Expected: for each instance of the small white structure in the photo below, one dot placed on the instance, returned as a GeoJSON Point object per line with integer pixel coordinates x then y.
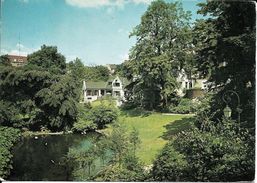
{"type": "Point", "coordinates": [189, 82]}
{"type": "Point", "coordinates": [114, 87]}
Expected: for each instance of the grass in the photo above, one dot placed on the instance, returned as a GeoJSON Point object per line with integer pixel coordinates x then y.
{"type": "Point", "coordinates": [106, 102]}
{"type": "Point", "coordinates": [153, 129]}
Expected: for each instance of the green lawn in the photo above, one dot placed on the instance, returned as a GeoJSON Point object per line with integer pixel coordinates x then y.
{"type": "Point", "coordinates": [106, 102]}
{"type": "Point", "coordinates": [153, 129]}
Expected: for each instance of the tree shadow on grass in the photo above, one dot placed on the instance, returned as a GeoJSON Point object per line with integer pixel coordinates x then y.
{"type": "Point", "coordinates": [136, 112]}
{"type": "Point", "coordinates": [177, 126]}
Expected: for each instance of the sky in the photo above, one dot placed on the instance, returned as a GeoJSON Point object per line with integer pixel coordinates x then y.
{"type": "Point", "coordinates": [96, 31]}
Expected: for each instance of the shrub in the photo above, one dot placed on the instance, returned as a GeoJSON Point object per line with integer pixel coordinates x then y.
{"type": "Point", "coordinates": [221, 154]}
{"type": "Point", "coordinates": [184, 106]}
{"type": "Point", "coordinates": [84, 125]}
{"type": "Point", "coordinates": [128, 105]}
{"type": "Point", "coordinates": [102, 115]}
{"type": "Point", "coordinates": [95, 118]}
{"type": "Point", "coordinates": [8, 136]}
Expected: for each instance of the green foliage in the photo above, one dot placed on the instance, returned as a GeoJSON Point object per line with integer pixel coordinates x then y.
{"type": "Point", "coordinates": [225, 52]}
{"type": "Point", "coordinates": [82, 163]}
{"type": "Point", "coordinates": [184, 106]}
{"type": "Point", "coordinates": [96, 73]}
{"type": "Point", "coordinates": [7, 112]}
{"type": "Point", "coordinates": [220, 154]}
{"type": "Point", "coordinates": [169, 165]}
{"type": "Point", "coordinates": [39, 94]}
{"type": "Point", "coordinates": [134, 139]}
{"type": "Point", "coordinates": [102, 115]}
{"type": "Point", "coordinates": [59, 103]}
{"type": "Point", "coordinates": [8, 136]}
{"type": "Point", "coordinates": [116, 173]}
{"type": "Point", "coordinates": [84, 122]}
{"type": "Point", "coordinates": [124, 166]}
{"type": "Point", "coordinates": [84, 126]}
{"type": "Point", "coordinates": [48, 58]}
{"type": "Point", "coordinates": [162, 48]}
{"type": "Point", "coordinates": [92, 118]}
{"type": "Point", "coordinates": [4, 60]}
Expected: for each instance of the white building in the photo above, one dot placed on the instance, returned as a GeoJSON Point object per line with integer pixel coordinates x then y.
{"type": "Point", "coordinates": [114, 87]}
{"type": "Point", "coordinates": [189, 82]}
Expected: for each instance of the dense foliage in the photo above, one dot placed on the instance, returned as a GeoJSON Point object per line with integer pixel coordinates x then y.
{"type": "Point", "coordinates": [184, 106]}
{"type": "Point", "coordinates": [225, 52]}
{"type": "Point", "coordinates": [90, 119]}
{"type": "Point", "coordinates": [39, 93]}
{"type": "Point", "coordinates": [221, 153]}
{"type": "Point", "coordinates": [162, 49]}
{"type": "Point", "coordinates": [8, 136]}
{"type": "Point", "coordinates": [219, 149]}
{"type": "Point", "coordinates": [116, 152]}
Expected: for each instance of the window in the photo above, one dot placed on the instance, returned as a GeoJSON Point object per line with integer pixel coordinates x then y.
{"type": "Point", "coordinates": [117, 93]}
{"type": "Point", "coordinates": [186, 85]}
{"type": "Point", "coordinates": [89, 92]}
{"type": "Point", "coordinates": [116, 84]}
{"type": "Point", "coordinates": [96, 92]}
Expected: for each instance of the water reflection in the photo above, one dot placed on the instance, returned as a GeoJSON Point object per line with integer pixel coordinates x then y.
{"type": "Point", "coordinates": [42, 158]}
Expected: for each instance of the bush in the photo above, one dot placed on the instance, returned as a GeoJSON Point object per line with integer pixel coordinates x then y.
{"type": "Point", "coordinates": [128, 106]}
{"type": "Point", "coordinates": [184, 106]}
{"type": "Point", "coordinates": [102, 115]}
{"type": "Point", "coordinates": [221, 154]}
{"type": "Point", "coordinates": [8, 136]}
{"type": "Point", "coordinates": [169, 165]}
{"type": "Point", "coordinates": [84, 125]}
{"type": "Point", "coordinates": [95, 118]}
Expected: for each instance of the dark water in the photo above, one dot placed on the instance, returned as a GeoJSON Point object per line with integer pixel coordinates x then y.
{"type": "Point", "coordinates": [41, 159]}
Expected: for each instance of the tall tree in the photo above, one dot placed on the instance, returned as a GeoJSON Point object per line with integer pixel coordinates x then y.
{"type": "Point", "coordinates": [49, 59]}
{"type": "Point", "coordinates": [160, 51]}
{"type": "Point", "coordinates": [227, 53]}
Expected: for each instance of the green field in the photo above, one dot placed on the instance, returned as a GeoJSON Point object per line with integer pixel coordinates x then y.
{"type": "Point", "coordinates": [153, 129]}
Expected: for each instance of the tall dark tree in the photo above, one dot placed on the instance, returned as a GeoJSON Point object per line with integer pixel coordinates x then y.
{"type": "Point", "coordinates": [226, 53]}
{"type": "Point", "coordinates": [160, 51]}
{"type": "Point", "coordinates": [49, 59]}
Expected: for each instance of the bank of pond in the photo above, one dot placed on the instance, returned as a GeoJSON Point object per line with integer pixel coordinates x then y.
{"type": "Point", "coordinates": [42, 157]}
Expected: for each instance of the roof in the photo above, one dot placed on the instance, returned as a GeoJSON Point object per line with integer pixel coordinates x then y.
{"type": "Point", "coordinates": [106, 84]}
{"type": "Point", "coordinates": [19, 58]}
{"type": "Point", "coordinates": [96, 85]}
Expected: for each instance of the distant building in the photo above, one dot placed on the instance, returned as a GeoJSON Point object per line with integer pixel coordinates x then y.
{"type": "Point", "coordinates": [189, 83]}
{"type": "Point", "coordinates": [115, 87]}
{"type": "Point", "coordinates": [17, 61]}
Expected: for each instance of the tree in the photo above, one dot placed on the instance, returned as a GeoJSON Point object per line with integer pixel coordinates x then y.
{"type": "Point", "coordinates": [8, 136]}
{"type": "Point", "coordinates": [38, 95]}
{"type": "Point", "coordinates": [134, 139]}
{"type": "Point", "coordinates": [59, 103]}
{"type": "Point", "coordinates": [96, 73]}
{"type": "Point", "coordinates": [102, 115]}
{"type": "Point", "coordinates": [124, 165]}
{"type": "Point", "coordinates": [227, 53]}
{"type": "Point", "coordinates": [163, 42]}
{"type": "Point", "coordinates": [220, 154]}
{"type": "Point", "coordinates": [77, 70]}
{"type": "Point", "coordinates": [4, 60]}
{"type": "Point", "coordinates": [49, 59]}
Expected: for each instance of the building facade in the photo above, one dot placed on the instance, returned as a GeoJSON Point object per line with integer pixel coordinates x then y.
{"type": "Point", "coordinates": [17, 61]}
{"type": "Point", "coordinates": [188, 82]}
{"type": "Point", "coordinates": [115, 87]}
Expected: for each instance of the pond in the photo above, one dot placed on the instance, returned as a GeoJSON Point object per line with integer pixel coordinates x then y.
{"type": "Point", "coordinates": [40, 158]}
